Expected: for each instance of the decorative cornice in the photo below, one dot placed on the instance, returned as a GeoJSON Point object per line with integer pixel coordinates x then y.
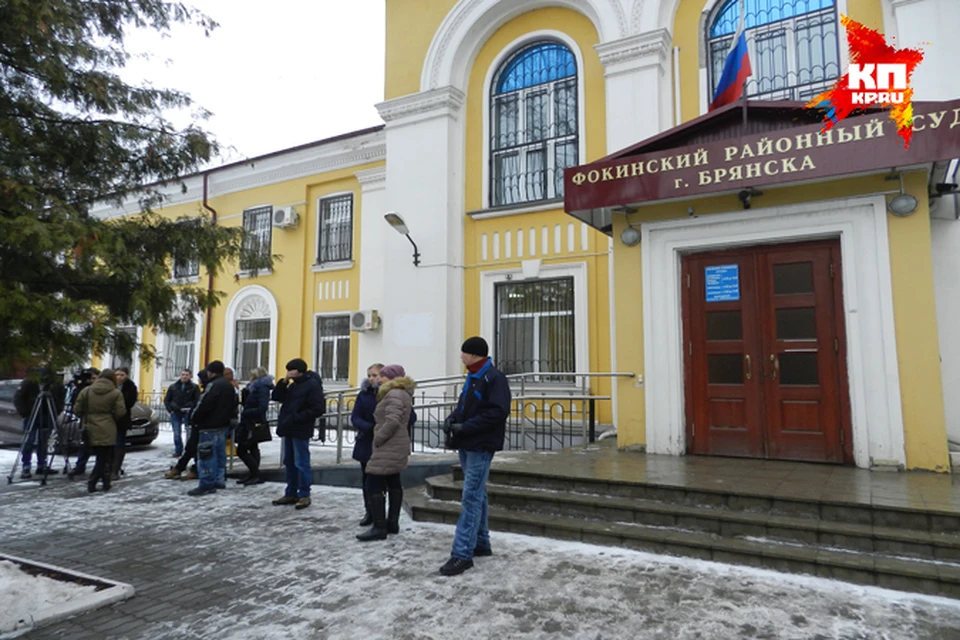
{"type": "Point", "coordinates": [896, 4]}
{"type": "Point", "coordinates": [653, 45]}
{"type": "Point", "coordinates": [445, 101]}
{"type": "Point", "coordinates": [371, 177]}
{"type": "Point", "coordinates": [253, 307]}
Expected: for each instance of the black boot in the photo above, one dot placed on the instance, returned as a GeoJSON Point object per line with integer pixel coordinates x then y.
{"type": "Point", "coordinates": [378, 506]}
{"type": "Point", "coordinates": [368, 517]}
{"type": "Point", "coordinates": [393, 517]}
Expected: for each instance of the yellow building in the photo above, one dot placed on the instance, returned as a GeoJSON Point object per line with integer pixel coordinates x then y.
{"type": "Point", "coordinates": [487, 102]}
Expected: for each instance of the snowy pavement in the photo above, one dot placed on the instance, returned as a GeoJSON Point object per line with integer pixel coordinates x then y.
{"type": "Point", "coordinates": [232, 565]}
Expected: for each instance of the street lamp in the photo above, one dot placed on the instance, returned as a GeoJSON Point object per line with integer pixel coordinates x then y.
{"type": "Point", "coordinates": [394, 220]}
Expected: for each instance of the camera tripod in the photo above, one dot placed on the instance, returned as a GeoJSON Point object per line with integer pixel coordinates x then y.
{"type": "Point", "coordinates": [43, 417]}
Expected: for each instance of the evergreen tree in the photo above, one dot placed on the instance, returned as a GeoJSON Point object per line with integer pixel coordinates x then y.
{"type": "Point", "coordinates": [73, 134]}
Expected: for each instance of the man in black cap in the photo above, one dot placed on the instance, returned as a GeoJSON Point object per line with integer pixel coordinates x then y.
{"type": "Point", "coordinates": [477, 428]}
{"type": "Point", "coordinates": [301, 396]}
{"type": "Point", "coordinates": [217, 405]}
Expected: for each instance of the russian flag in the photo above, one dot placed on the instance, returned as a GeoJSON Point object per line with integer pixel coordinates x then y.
{"type": "Point", "coordinates": [735, 70]}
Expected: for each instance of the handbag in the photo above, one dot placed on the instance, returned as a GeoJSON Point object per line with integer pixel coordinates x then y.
{"type": "Point", "coordinates": [260, 432]}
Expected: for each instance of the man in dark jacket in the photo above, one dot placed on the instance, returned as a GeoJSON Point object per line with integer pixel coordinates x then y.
{"type": "Point", "coordinates": [301, 398]}
{"type": "Point", "coordinates": [477, 428]}
{"type": "Point", "coordinates": [23, 401]}
{"type": "Point", "coordinates": [181, 398]}
{"type": "Point", "coordinates": [216, 407]}
{"type": "Point", "coordinates": [130, 396]}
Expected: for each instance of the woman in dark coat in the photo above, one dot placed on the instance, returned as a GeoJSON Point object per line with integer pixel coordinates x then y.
{"type": "Point", "coordinates": [363, 421]}
{"type": "Point", "coordinates": [255, 400]}
{"type": "Point", "coordinates": [391, 450]}
{"type": "Point", "coordinates": [130, 393]}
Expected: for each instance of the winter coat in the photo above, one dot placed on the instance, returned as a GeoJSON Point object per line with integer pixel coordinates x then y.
{"type": "Point", "coordinates": [26, 396]}
{"type": "Point", "coordinates": [130, 396]}
{"type": "Point", "coordinates": [482, 410]}
{"type": "Point", "coordinates": [181, 395]}
{"type": "Point", "coordinates": [217, 405]}
{"type": "Point", "coordinates": [256, 401]}
{"type": "Point", "coordinates": [363, 421]}
{"type": "Point", "coordinates": [302, 403]}
{"type": "Point", "coordinates": [100, 406]}
{"type": "Point", "coordinates": [391, 440]}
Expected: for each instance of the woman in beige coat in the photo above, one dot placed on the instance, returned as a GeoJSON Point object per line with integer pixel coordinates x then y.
{"type": "Point", "coordinates": [100, 406]}
{"type": "Point", "coordinates": [391, 450]}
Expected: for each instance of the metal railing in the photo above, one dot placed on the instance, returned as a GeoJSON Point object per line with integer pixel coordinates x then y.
{"type": "Point", "coordinates": [543, 416]}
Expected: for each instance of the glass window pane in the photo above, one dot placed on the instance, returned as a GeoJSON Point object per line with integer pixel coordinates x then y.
{"type": "Point", "coordinates": [516, 353]}
{"type": "Point", "coordinates": [507, 121]}
{"type": "Point", "coordinates": [793, 278]}
{"type": "Point", "coordinates": [326, 359]}
{"type": "Point", "coordinates": [336, 229]}
{"type": "Point", "coordinates": [536, 111]}
{"type": "Point", "coordinates": [343, 359]}
{"type": "Point", "coordinates": [797, 324]}
{"type": "Point", "coordinates": [506, 179]}
{"type": "Point", "coordinates": [725, 368]}
{"type": "Point", "coordinates": [799, 369]}
{"type": "Point", "coordinates": [535, 175]}
{"type": "Point", "coordinates": [724, 325]}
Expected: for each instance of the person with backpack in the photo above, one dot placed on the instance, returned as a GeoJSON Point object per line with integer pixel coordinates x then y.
{"type": "Point", "coordinates": [477, 428]}
{"type": "Point", "coordinates": [300, 395]}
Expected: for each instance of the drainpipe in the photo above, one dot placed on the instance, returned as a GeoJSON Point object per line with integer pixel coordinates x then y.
{"type": "Point", "coordinates": [209, 312]}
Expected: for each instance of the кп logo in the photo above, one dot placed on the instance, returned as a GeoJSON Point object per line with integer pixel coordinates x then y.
{"type": "Point", "coordinates": [879, 76]}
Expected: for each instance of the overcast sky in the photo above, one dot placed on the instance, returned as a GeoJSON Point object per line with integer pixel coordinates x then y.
{"type": "Point", "coordinates": [276, 73]}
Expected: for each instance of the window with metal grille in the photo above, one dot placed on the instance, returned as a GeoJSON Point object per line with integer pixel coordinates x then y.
{"type": "Point", "coordinates": [253, 346]}
{"type": "Point", "coordinates": [257, 235]}
{"type": "Point", "coordinates": [178, 354]}
{"type": "Point", "coordinates": [534, 124]}
{"type": "Point", "coordinates": [333, 348]}
{"type": "Point", "coordinates": [185, 268]}
{"type": "Point", "coordinates": [335, 242]}
{"type": "Point", "coordinates": [793, 46]}
{"type": "Point", "coordinates": [124, 357]}
{"type": "Point", "coordinates": [535, 327]}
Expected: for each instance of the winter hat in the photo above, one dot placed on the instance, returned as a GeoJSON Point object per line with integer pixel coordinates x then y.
{"type": "Point", "coordinates": [297, 364]}
{"type": "Point", "coordinates": [392, 371]}
{"type": "Point", "coordinates": [216, 368]}
{"type": "Point", "coordinates": [475, 346]}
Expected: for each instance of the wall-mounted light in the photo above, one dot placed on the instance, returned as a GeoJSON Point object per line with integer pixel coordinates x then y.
{"type": "Point", "coordinates": [902, 204]}
{"type": "Point", "coordinates": [630, 237]}
{"type": "Point", "coordinates": [394, 220]}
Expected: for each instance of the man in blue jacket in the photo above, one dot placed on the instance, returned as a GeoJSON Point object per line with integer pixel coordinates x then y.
{"type": "Point", "coordinates": [477, 428]}
{"type": "Point", "coordinates": [301, 398]}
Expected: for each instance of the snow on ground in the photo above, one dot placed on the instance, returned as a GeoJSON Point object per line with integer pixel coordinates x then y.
{"type": "Point", "coordinates": [23, 595]}
{"type": "Point", "coordinates": [303, 574]}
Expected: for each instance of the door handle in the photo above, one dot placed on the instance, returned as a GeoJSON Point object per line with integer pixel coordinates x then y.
{"type": "Point", "coordinates": [749, 367]}
{"type": "Point", "coordinates": [774, 366]}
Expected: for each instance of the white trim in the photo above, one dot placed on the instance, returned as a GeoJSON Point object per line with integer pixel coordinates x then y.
{"type": "Point", "coordinates": [249, 273]}
{"type": "Point", "coordinates": [503, 212]}
{"type": "Point", "coordinates": [581, 316]}
{"type": "Point", "coordinates": [612, 310]}
{"type": "Point", "coordinates": [161, 346]}
{"type": "Point", "coordinates": [135, 365]}
{"type": "Point", "coordinates": [872, 369]}
{"type": "Point", "coordinates": [331, 384]}
{"type": "Point", "coordinates": [339, 264]}
{"type": "Point", "coordinates": [505, 53]}
{"type": "Point", "coordinates": [229, 327]}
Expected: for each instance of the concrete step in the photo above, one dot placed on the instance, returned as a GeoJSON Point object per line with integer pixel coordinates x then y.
{"type": "Point", "coordinates": [904, 574]}
{"type": "Point", "coordinates": [728, 523]}
{"type": "Point", "coordinates": [921, 519]}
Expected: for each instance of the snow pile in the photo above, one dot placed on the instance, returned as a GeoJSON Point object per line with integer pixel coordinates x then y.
{"type": "Point", "coordinates": [23, 595]}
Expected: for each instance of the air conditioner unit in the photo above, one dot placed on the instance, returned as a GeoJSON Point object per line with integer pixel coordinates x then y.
{"type": "Point", "coordinates": [364, 320]}
{"type": "Point", "coordinates": [284, 217]}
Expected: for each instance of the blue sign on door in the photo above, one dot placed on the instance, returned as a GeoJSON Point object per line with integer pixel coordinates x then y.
{"type": "Point", "coordinates": [723, 282]}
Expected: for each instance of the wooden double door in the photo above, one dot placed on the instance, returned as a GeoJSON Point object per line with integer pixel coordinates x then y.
{"type": "Point", "coordinates": [764, 353]}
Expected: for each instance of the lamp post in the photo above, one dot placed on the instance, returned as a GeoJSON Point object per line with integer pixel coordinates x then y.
{"type": "Point", "coordinates": [394, 220]}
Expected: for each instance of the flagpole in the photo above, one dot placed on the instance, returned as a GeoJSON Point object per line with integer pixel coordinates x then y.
{"type": "Point", "coordinates": [744, 101]}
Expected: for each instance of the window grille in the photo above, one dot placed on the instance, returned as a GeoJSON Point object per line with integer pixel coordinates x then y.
{"type": "Point", "coordinates": [333, 348]}
{"type": "Point", "coordinates": [185, 268]}
{"type": "Point", "coordinates": [253, 346]}
{"type": "Point", "coordinates": [257, 236]}
{"type": "Point", "coordinates": [535, 327]}
{"type": "Point", "coordinates": [179, 352]}
{"type": "Point", "coordinates": [793, 45]}
{"type": "Point", "coordinates": [534, 124]}
{"type": "Point", "coordinates": [124, 358]}
{"type": "Point", "coordinates": [336, 229]}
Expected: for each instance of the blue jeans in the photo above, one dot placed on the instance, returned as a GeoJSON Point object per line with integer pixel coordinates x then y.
{"type": "Point", "coordinates": [41, 434]}
{"type": "Point", "coordinates": [296, 460]}
{"type": "Point", "coordinates": [472, 530]}
{"type": "Point", "coordinates": [178, 419]}
{"type": "Point", "coordinates": [212, 458]}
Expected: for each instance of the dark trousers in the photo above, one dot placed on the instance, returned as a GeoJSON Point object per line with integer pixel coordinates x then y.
{"type": "Point", "coordinates": [189, 451]}
{"type": "Point", "coordinates": [103, 466]}
{"type": "Point", "coordinates": [382, 484]}
{"type": "Point", "coordinates": [248, 450]}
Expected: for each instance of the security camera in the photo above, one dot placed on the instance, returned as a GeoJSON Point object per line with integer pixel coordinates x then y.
{"type": "Point", "coordinates": [745, 198]}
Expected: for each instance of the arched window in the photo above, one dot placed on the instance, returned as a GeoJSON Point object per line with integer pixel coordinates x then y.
{"type": "Point", "coordinates": [794, 51]}
{"type": "Point", "coordinates": [534, 124]}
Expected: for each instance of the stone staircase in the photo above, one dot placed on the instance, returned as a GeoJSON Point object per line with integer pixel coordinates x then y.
{"type": "Point", "coordinates": [915, 550]}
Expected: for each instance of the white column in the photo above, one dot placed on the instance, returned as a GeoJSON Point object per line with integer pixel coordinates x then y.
{"type": "Point", "coordinates": [373, 230]}
{"type": "Point", "coordinates": [934, 22]}
{"type": "Point", "coordinates": [639, 87]}
{"type": "Point", "coordinates": [422, 308]}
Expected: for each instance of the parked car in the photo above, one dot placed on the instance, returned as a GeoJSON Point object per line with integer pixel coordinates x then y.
{"type": "Point", "coordinates": [145, 426]}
